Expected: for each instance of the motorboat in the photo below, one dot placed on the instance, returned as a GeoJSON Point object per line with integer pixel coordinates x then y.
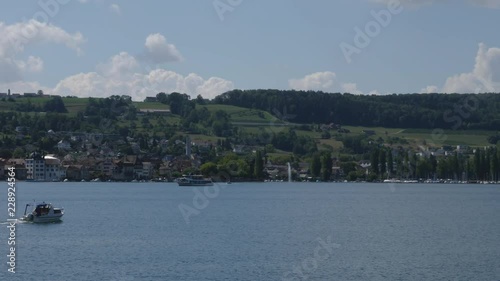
{"type": "Point", "coordinates": [43, 212]}
{"type": "Point", "coordinates": [194, 180]}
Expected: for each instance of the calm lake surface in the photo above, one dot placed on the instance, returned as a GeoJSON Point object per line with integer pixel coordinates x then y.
{"type": "Point", "coordinates": [258, 231]}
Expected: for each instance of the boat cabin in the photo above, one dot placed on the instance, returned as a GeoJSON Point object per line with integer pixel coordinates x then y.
{"type": "Point", "coordinates": [44, 208]}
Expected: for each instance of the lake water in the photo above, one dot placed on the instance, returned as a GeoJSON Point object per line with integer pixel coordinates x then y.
{"type": "Point", "coordinates": [258, 231]}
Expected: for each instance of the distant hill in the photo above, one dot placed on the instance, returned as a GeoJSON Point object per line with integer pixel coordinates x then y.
{"type": "Point", "coordinates": [424, 111]}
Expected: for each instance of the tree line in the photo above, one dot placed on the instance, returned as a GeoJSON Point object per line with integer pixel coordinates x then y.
{"type": "Point", "coordinates": [446, 111]}
{"type": "Point", "coordinates": [483, 165]}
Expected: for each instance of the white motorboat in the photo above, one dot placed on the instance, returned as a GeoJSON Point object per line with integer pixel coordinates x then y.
{"type": "Point", "coordinates": [43, 212]}
{"type": "Point", "coordinates": [194, 181]}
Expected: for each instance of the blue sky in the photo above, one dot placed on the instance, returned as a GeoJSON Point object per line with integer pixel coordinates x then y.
{"type": "Point", "coordinates": [100, 47]}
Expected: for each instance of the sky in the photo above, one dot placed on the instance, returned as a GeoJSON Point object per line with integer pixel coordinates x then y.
{"type": "Point", "coordinates": [100, 48]}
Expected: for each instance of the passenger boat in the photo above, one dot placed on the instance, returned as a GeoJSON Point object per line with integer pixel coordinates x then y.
{"type": "Point", "coordinates": [43, 212]}
{"type": "Point", "coordinates": [194, 180]}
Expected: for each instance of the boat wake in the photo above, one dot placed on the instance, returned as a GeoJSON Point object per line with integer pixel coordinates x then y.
{"type": "Point", "coordinates": [17, 221]}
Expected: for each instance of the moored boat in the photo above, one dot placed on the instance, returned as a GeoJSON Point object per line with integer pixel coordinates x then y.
{"type": "Point", "coordinates": [194, 180]}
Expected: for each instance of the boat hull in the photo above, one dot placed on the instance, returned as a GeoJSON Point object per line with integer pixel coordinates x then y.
{"type": "Point", "coordinates": [195, 184]}
{"type": "Point", "coordinates": [41, 219]}
{"type": "Point", "coordinates": [194, 181]}
{"type": "Point", "coordinates": [47, 219]}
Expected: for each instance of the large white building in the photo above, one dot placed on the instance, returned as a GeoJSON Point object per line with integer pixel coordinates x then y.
{"type": "Point", "coordinates": [47, 168]}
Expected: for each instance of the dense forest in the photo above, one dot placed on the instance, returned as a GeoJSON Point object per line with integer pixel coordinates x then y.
{"type": "Point", "coordinates": [429, 111]}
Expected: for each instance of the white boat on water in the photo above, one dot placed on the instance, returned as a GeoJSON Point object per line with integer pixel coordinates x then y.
{"type": "Point", "coordinates": [194, 181]}
{"type": "Point", "coordinates": [43, 212]}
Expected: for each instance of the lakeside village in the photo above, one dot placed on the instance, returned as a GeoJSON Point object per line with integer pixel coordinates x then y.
{"type": "Point", "coordinates": [125, 155]}
{"type": "Point", "coordinates": [101, 164]}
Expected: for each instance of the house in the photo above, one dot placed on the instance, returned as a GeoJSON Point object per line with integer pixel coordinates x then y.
{"type": "Point", "coordinates": [439, 152]}
{"type": "Point", "coordinates": [337, 172]}
{"type": "Point", "coordinates": [63, 145]}
{"type": "Point", "coordinates": [22, 129]}
{"type": "Point", "coordinates": [76, 172]}
{"type": "Point", "coordinates": [35, 166]}
{"type": "Point", "coordinates": [164, 170]}
{"type": "Point", "coordinates": [277, 171]}
{"type": "Point", "coordinates": [29, 95]}
{"type": "Point", "coordinates": [53, 169]}
{"type": "Point", "coordinates": [150, 99]}
{"type": "Point", "coordinates": [123, 168]}
{"type": "Point", "coordinates": [44, 168]}
{"type": "Point", "coordinates": [303, 170]}
{"type": "Point", "coordinates": [462, 148]}
{"type": "Point", "coordinates": [19, 164]}
{"type": "Point", "coordinates": [107, 152]}
{"type": "Point", "coordinates": [106, 167]}
{"type": "Point", "coordinates": [424, 154]}
{"type": "Point", "coordinates": [154, 112]}
{"type": "Point", "coordinates": [203, 145]}
{"type": "Point", "coordinates": [146, 171]}
{"type": "Point", "coordinates": [180, 163]}
{"type": "Point", "coordinates": [365, 166]}
{"type": "Point", "coordinates": [240, 149]}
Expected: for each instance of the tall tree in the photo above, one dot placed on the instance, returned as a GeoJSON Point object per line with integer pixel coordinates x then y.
{"type": "Point", "coordinates": [55, 105]}
{"type": "Point", "coordinates": [316, 166]}
{"type": "Point", "coordinates": [375, 161]}
{"type": "Point", "coordinates": [259, 165]}
{"type": "Point", "coordinates": [433, 167]}
{"type": "Point", "coordinates": [477, 164]}
{"type": "Point", "coordinates": [494, 165]}
{"type": "Point", "coordinates": [326, 166]}
{"type": "Point", "coordinates": [390, 163]}
{"type": "Point", "coordinates": [383, 162]}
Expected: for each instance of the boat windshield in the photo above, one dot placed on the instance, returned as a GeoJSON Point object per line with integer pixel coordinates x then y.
{"type": "Point", "coordinates": [42, 209]}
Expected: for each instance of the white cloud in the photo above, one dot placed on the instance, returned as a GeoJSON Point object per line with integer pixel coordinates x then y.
{"type": "Point", "coordinates": [159, 51]}
{"type": "Point", "coordinates": [319, 81]}
{"type": "Point", "coordinates": [119, 65]}
{"type": "Point", "coordinates": [16, 37]}
{"type": "Point", "coordinates": [115, 8]}
{"type": "Point", "coordinates": [121, 75]}
{"type": "Point", "coordinates": [211, 87]}
{"type": "Point", "coordinates": [33, 64]}
{"type": "Point", "coordinates": [325, 81]}
{"type": "Point", "coordinates": [430, 89]}
{"type": "Point", "coordinates": [485, 77]}
{"type": "Point", "coordinates": [351, 88]}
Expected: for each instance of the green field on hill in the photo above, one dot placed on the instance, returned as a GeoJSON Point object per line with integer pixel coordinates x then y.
{"type": "Point", "coordinates": [244, 115]}
{"type": "Point", "coordinates": [255, 121]}
{"type": "Point", "coordinates": [405, 137]}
